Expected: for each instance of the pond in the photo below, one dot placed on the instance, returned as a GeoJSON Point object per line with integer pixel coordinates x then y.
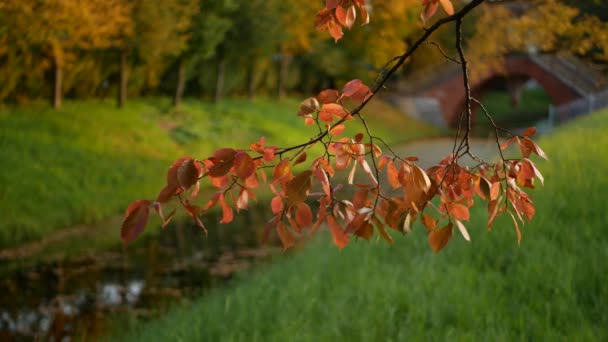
{"type": "Point", "coordinates": [81, 298]}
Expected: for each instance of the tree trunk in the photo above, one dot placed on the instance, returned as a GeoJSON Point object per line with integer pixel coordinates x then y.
{"type": "Point", "coordinates": [251, 79]}
{"type": "Point", "coordinates": [57, 94]}
{"type": "Point", "coordinates": [181, 83]}
{"type": "Point", "coordinates": [219, 84]}
{"type": "Point", "coordinates": [122, 89]}
{"type": "Point", "coordinates": [282, 75]}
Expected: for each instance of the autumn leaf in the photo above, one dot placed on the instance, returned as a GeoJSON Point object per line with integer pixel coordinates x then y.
{"type": "Point", "coordinates": [529, 132]}
{"type": "Point", "coordinates": [439, 238]}
{"type": "Point", "coordinates": [136, 218]}
{"type": "Point", "coordinates": [276, 204]}
{"type": "Point", "coordinates": [309, 106]}
{"type": "Point", "coordinates": [227, 214]}
{"type": "Point", "coordinates": [356, 90]}
{"type": "Point", "coordinates": [297, 189]}
{"type": "Point", "coordinates": [285, 235]}
{"type": "Point", "coordinates": [243, 165]}
{"type": "Point", "coordinates": [463, 230]}
{"type": "Point", "coordinates": [328, 96]}
{"type": "Point", "coordinates": [458, 211]}
{"type": "Point", "coordinates": [223, 160]}
{"type": "Point", "coordinates": [188, 173]}
{"type": "Point", "coordinates": [303, 215]}
{"type": "Point", "coordinates": [337, 232]}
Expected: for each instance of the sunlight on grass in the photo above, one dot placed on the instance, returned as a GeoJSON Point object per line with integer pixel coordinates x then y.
{"type": "Point", "coordinates": [553, 287]}
{"type": "Point", "coordinates": [88, 160]}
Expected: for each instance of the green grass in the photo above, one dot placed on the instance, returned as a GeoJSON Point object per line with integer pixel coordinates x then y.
{"type": "Point", "coordinates": [552, 288]}
{"type": "Point", "coordinates": [533, 107]}
{"type": "Point", "coordinates": [87, 161]}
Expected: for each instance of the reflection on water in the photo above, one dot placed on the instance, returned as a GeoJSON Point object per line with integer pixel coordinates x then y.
{"type": "Point", "coordinates": [75, 299]}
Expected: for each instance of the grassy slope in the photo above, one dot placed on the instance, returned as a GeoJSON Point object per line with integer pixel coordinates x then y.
{"type": "Point", "coordinates": [88, 160]}
{"type": "Point", "coordinates": [553, 287]}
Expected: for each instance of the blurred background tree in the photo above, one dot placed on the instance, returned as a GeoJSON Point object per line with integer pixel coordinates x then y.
{"type": "Point", "coordinates": [210, 49]}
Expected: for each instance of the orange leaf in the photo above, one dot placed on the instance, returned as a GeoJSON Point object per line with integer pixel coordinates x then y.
{"type": "Point", "coordinates": [393, 175]}
{"type": "Point", "coordinates": [194, 211]}
{"type": "Point", "coordinates": [338, 234]}
{"type": "Point", "coordinates": [429, 222]}
{"type": "Point", "coordinates": [366, 231]}
{"type": "Point", "coordinates": [447, 6]}
{"type": "Point", "coordinates": [529, 132]}
{"type": "Point", "coordinates": [459, 211]}
{"type": "Point", "coordinates": [298, 188]}
{"type": "Point", "coordinates": [494, 191]}
{"type": "Point", "coordinates": [439, 238]}
{"type": "Point", "coordinates": [285, 235]}
{"type": "Point", "coordinates": [517, 231]}
{"type": "Point", "coordinates": [282, 172]}
{"type": "Point", "coordinates": [227, 214]}
{"type": "Point", "coordinates": [337, 130]}
{"type": "Point", "coordinates": [329, 110]}
{"type": "Point", "coordinates": [385, 235]}
{"type": "Point", "coordinates": [276, 204]}
{"type": "Point", "coordinates": [301, 159]}
{"type": "Point", "coordinates": [136, 218]}
{"type": "Point", "coordinates": [243, 165]}
{"type": "Point", "coordinates": [328, 96]}
{"type": "Point", "coordinates": [303, 215]}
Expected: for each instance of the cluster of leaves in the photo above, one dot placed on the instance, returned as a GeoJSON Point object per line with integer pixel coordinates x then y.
{"type": "Point", "coordinates": [394, 193]}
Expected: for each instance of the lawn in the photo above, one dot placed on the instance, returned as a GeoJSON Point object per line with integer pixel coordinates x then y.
{"type": "Point", "coordinates": [85, 162]}
{"type": "Point", "coordinates": [534, 106]}
{"type": "Point", "coordinates": [552, 287]}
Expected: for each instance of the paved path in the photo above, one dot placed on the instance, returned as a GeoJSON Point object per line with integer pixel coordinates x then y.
{"type": "Point", "coordinates": [430, 152]}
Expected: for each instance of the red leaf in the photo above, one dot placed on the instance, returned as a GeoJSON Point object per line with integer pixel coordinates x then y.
{"type": "Point", "coordinates": [243, 165]}
{"type": "Point", "coordinates": [430, 8]}
{"type": "Point", "coordinates": [223, 160]}
{"type": "Point", "coordinates": [188, 173]}
{"type": "Point", "coordinates": [166, 193]}
{"type": "Point", "coordinates": [303, 215]}
{"type": "Point", "coordinates": [328, 96]}
{"type": "Point", "coordinates": [338, 234]}
{"type": "Point", "coordinates": [356, 90]}
{"type": "Point", "coordinates": [439, 238]}
{"type": "Point", "coordinates": [329, 110]}
{"type": "Point", "coordinates": [276, 204]}
{"type": "Point", "coordinates": [529, 132]}
{"type": "Point", "coordinates": [194, 211]}
{"type": "Point", "coordinates": [301, 158]}
{"type": "Point", "coordinates": [331, 4]}
{"type": "Point", "coordinates": [227, 214]}
{"type": "Point", "coordinates": [136, 218]}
